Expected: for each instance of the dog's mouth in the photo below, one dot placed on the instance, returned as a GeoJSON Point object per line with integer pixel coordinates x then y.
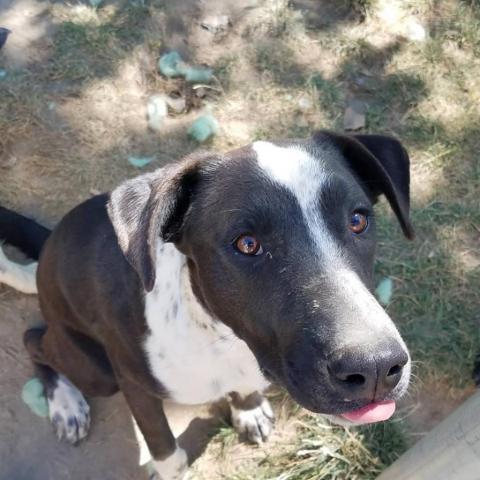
{"type": "Point", "coordinates": [372, 412]}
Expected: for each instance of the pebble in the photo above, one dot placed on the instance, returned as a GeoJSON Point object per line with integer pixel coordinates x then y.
{"type": "Point", "coordinates": [215, 23]}
{"type": "Point", "coordinates": [305, 104]}
{"type": "Point", "coordinates": [177, 104]}
{"type": "Point", "coordinates": [157, 111]}
{"type": "Point", "coordinates": [201, 92]}
{"type": "Point", "coordinates": [415, 31]}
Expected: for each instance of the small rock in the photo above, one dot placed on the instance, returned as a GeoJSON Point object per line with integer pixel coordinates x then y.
{"type": "Point", "coordinates": [201, 92]}
{"type": "Point", "coordinates": [94, 192]}
{"type": "Point", "coordinates": [415, 31]}
{"type": "Point", "coordinates": [355, 115]}
{"type": "Point", "coordinates": [157, 111]}
{"type": "Point", "coordinates": [176, 104]}
{"type": "Point", "coordinates": [3, 73]}
{"type": "Point", "coordinates": [215, 23]}
{"type": "Point", "coordinates": [305, 104]}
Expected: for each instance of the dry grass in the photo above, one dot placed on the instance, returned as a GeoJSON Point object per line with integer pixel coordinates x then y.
{"type": "Point", "coordinates": [68, 123]}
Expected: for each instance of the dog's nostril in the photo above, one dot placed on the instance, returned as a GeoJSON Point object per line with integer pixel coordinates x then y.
{"type": "Point", "coordinates": [355, 379]}
{"type": "Point", "coordinates": [395, 370]}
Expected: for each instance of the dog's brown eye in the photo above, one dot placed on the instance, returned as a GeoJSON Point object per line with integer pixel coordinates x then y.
{"type": "Point", "coordinates": [248, 245]}
{"type": "Point", "coordinates": [358, 223]}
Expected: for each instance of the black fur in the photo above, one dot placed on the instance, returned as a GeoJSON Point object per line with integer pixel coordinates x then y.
{"type": "Point", "coordinates": [23, 233]}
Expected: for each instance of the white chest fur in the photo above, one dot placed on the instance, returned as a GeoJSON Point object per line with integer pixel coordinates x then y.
{"type": "Point", "coordinates": [196, 358]}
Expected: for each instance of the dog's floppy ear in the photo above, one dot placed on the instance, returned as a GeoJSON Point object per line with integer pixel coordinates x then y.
{"type": "Point", "coordinates": [382, 164]}
{"type": "Point", "coordinates": [150, 207]}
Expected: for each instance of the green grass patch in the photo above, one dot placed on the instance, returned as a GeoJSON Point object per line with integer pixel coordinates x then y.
{"type": "Point", "coordinates": [432, 305]}
{"type": "Point", "coordinates": [325, 452]}
{"type": "Point", "coordinates": [93, 49]}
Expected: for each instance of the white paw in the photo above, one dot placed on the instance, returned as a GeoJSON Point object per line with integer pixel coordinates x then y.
{"type": "Point", "coordinates": [174, 467]}
{"type": "Point", "coordinates": [256, 424]}
{"type": "Point", "coordinates": [68, 411]}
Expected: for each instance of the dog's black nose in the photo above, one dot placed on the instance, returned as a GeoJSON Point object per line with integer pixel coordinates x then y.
{"type": "Point", "coordinates": [367, 375]}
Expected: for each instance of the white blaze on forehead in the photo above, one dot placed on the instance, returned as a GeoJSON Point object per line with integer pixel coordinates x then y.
{"type": "Point", "coordinates": [293, 167]}
{"type": "Point", "coordinates": [305, 177]}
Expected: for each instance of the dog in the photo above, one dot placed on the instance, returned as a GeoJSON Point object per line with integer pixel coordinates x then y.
{"type": "Point", "coordinates": [215, 277]}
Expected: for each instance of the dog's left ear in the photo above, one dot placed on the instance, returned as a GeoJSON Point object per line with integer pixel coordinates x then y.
{"type": "Point", "coordinates": [152, 208]}
{"type": "Point", "coordinates": [383, 166]}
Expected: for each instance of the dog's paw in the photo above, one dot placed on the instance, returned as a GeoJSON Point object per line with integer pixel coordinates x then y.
{"type": "Point", "coordinates": [256, 424]}
{"type": "Point", "coordinates": [174, 467]}
{"type": "Point", "coordinates": [68, 411]}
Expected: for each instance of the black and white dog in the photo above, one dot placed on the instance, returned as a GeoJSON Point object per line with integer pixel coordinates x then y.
{"type": "Point", "coordinates": [214, 276]}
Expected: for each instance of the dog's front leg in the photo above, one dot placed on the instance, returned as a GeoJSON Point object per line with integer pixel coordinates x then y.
{"type": "Point", "coordinates": [169, 460]}
{"type": "Point", "coordinates": [252, 416]}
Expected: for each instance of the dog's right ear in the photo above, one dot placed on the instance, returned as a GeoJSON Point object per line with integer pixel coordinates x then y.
{"type": "Point", "coordinates": [152, 207]}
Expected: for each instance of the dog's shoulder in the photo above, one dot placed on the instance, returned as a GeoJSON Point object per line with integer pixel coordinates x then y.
{"type": "Point", "coordinates": [82, 255]}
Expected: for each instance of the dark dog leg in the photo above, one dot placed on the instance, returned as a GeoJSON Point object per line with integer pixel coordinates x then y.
{"type": "Point", "coordinates": [169, 460]}
{"type": "Point", "coordinates": [252, 416]}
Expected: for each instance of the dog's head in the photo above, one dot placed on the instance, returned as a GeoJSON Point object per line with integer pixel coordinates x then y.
{"type": "Point", "coordinates": [280, 242]}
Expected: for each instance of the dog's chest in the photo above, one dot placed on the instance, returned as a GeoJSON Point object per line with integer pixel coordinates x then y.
{"type": "Point", "coordinates": [196, 359]}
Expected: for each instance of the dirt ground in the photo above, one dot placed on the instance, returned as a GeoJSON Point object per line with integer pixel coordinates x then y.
{"type": "Point", "coordinates": [74, 101]}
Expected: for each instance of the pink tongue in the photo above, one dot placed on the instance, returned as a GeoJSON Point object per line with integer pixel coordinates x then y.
{"type": "Point", "coordinates": [374, 412]}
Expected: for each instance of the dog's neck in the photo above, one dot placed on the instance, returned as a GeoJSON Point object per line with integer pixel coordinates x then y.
{"type": "Point", "coordinates": [173, 290]}
{"type": "Point", "coordinates": [186, 347]}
